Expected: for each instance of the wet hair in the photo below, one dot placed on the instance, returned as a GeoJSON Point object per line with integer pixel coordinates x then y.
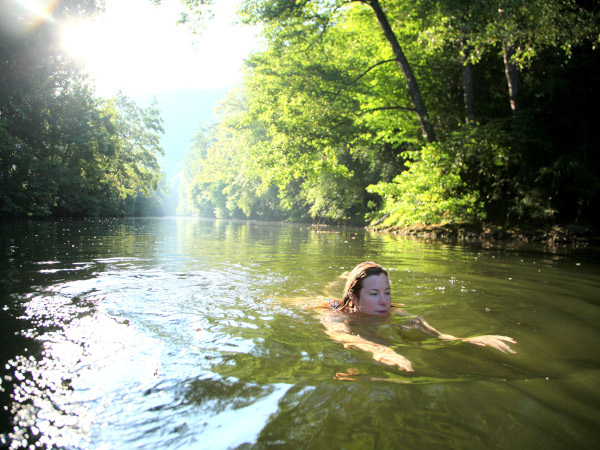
{"type": "Point", "coordinates": [355, 282]}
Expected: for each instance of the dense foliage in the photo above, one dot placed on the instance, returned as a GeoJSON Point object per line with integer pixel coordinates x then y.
{"type": "Point", "coordinates": [423, 111]}
{"type": "Point", "coordinates": [63, 151]}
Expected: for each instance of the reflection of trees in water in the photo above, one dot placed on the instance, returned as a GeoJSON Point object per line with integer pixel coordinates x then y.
{"type": "Point", "coordinates": [370, 413]}
{"type": "Point", "coordinates": [217, 394]}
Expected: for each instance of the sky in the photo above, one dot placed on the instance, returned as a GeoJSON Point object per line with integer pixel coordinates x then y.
{"type": "Point", "coordinates": [137, 47]}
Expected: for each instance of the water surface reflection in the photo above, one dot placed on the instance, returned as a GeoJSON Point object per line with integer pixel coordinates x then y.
{"type": "Point", "coordinates": [158, 333]}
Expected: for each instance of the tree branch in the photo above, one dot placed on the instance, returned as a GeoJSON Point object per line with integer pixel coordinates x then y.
{"type": "Point", "coordinates": [373, 66]}
{"type": "Point", "coordinates": [335, 96]}
{"type": "Point", "coordinates": [384, 108]}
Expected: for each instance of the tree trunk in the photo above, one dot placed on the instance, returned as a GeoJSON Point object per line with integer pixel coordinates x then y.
{"type": "Point", "coordinates": [468, 90]}
{"type": "Point", "coordinates": [512, 77]}
{"type": "Point", "coordinates": [411, 81]}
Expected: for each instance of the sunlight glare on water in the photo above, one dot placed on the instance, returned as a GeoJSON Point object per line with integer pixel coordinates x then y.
{"type": "Point", "coordinates": [159, 333]}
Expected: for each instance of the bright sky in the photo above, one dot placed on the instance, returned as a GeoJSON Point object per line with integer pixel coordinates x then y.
{"type": "Point", "coordinates": [137, 47]}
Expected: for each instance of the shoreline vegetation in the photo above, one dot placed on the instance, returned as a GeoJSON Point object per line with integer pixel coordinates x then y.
{"type": "Point", "coordinates": [551, 235]}
{"type": "Point", "coordinates": [350, 113]}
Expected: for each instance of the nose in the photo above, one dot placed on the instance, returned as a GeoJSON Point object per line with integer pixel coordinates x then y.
{"type": "Point", "coordinates": [382, 299]}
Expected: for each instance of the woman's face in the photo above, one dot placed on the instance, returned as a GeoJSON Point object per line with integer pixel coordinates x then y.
{"type": "Point", "coordinates": [375, 297]}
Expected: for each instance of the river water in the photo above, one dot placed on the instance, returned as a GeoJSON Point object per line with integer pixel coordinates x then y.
{"type": "Point", "coordinates": [192, 333]}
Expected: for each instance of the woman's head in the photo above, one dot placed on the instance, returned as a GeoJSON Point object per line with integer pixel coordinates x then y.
{"type": "Point", "coordinates": [367, 290]}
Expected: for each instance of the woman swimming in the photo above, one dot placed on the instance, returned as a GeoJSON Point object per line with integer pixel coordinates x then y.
{"type": "Point", "coordinates": [367, 291]}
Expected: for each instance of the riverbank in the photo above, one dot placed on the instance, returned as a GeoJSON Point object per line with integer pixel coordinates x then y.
{"type": "Point", "coordinates": [555, 235]}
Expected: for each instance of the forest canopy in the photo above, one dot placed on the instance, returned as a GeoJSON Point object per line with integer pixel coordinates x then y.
{"type": "Point", "coordinates": [63, 150]}
{"type": "Point", "coordinates": [354, 111]}
{"type": "Point", "coordinates": [410, 111]}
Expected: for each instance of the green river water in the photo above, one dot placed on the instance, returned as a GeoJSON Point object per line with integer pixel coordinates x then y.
{"type": "Point", "coordinates": [193, 333]}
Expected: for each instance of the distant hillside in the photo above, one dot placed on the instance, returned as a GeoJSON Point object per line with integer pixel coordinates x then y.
{"type": "Point", "coordinates": [183, 111]}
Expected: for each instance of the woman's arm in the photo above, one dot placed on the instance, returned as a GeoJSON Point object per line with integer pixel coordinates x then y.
{"type": "Point", "coordinates": [338, 331]}
{"type": "Point", "coordinates": [494, 341]}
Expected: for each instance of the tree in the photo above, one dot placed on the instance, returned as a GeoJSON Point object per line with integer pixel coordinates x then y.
{"type": "Point", "coordinates": [62, 150]}
{"type": "Point", "coordinates": [322, 14]}
{"type": "Point", "coordinates": [43, 99]}
{"type": "Point", "coordinates": [220, 178]}
{"type": "Point", "coordinates": [520, 29]}
{"type": "Point", "coordinates": [411, 81]}
{"type": "Point", "coordinates": [326, 112]}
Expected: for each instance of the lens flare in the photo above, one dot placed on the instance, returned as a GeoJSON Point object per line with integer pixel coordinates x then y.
{"type": "Point", "coordinates": [20, 16]}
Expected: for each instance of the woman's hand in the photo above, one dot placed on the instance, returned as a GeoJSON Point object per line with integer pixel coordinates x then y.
{"type": "Point", "coordinates": [495, 341]}
{"type": "Point", "coordinates": [391, 358]}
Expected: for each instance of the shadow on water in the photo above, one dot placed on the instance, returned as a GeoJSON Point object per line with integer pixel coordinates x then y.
{"type": "Point", "coordinates": [160, 333]}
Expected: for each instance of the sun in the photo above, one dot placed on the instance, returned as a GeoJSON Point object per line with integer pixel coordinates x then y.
{"type": "Point", "coordinates": [124, 46]}
{"type": "Point", "coordinates": [80, 39]}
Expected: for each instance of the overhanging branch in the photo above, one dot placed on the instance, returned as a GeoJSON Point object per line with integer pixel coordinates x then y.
{"type": "Point", "coordinates": [335, 96]}
{"type": "Point", "coordinates": [372, 67]}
